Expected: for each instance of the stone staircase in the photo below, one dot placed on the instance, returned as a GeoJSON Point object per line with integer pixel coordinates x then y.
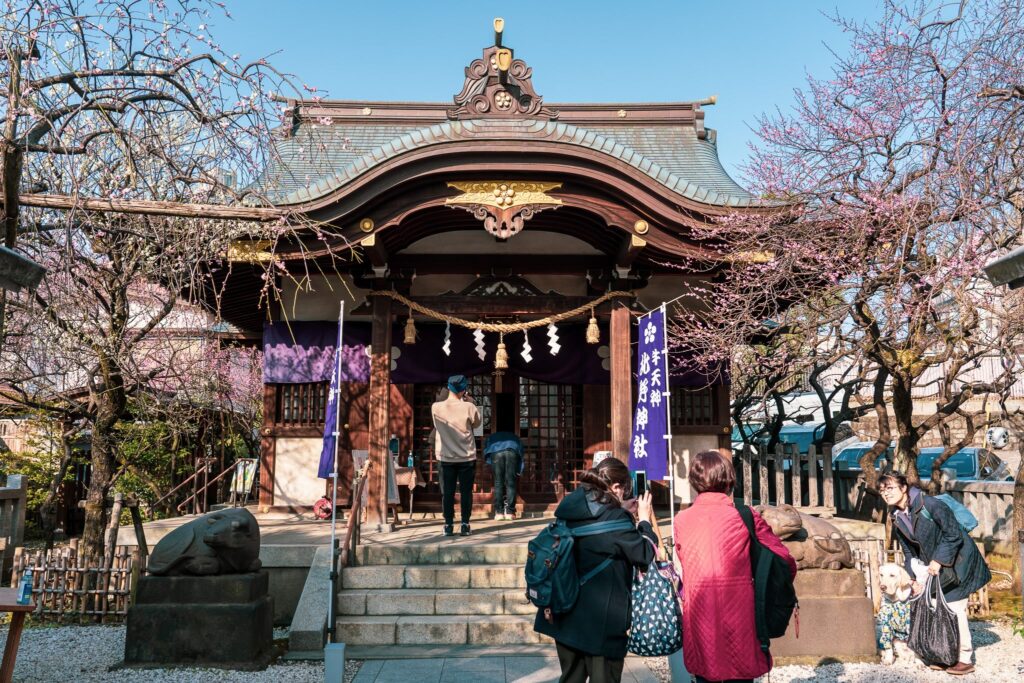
{"type": "Point", "coordinates": [443, 598]}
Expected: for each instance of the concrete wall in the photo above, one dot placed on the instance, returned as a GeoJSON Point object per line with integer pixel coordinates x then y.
{"type": "Point", "coordinates": [295, 465]}
{"type": "Point", "coordinates": [287, 566]}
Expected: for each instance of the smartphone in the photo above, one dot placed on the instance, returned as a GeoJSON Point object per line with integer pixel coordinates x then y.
{"type": "Point", "coordinates": [639, 483]}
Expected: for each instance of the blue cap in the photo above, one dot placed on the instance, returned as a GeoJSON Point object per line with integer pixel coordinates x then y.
{"type": "Point", "coordinates": [458, 383]}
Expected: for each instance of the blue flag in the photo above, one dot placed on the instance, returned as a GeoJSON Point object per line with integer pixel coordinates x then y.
{"type": "Point", "coordinates": [329, 449]}
{"type": "Point", "coordinates": [648, 451]}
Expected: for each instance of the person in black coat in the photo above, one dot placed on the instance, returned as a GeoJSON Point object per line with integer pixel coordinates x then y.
{"type": "Point", "coordinates": [928, 531]}
{"type": "Point", "coordinates": [591, 638]}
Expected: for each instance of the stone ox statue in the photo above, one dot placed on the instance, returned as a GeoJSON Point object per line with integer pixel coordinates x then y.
{"type": "Point", "coordinates": [222, 542]}
{"type": "Point", "coordinates": [813, 542]}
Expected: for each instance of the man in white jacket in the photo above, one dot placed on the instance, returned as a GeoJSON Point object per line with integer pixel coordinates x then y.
{"type": "Point", "coordinates": [455, 418]}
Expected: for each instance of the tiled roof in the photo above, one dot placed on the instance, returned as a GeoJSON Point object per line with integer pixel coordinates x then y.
{"type": "Point", "coordinates": [323, 158]}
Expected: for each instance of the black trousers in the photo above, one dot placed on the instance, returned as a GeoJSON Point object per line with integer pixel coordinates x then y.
{"type": "Point", "coordinates": [578, 667]}
{"type": "Point", "coordinates": [463, 474]}
{"type": "Point", "coordinates": [506, 469]}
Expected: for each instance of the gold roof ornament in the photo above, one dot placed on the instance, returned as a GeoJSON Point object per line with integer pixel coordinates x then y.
{"type": "Point", "coordinates": [503, 205]}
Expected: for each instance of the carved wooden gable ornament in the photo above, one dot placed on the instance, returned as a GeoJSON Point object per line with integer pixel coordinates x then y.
{"type": "Point", "coordinates": [499, 86]}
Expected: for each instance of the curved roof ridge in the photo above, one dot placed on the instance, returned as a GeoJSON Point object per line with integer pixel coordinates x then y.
{"type": "Point", "coordinates": [565, 133]}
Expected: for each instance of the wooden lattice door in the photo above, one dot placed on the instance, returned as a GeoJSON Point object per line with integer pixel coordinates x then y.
{"type": "Point", "coordinates": [551, 428]}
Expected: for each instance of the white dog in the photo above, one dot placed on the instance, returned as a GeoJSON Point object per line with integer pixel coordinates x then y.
{"type": "Point", "coordinates": [894, 615]}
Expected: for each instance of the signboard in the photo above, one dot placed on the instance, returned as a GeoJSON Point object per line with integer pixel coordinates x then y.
{"type": "Point", "coordinates": [649, 446]}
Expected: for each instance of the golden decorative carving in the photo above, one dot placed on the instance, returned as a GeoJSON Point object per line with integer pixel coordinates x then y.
{"type": "Point", "coordinates": [503, 205]}
{"type": "Point", "coordinates": [641, 227]}
{"type": "Point", "coordinates": [249, 251]}
{"type": "Point", "coordinates": [366, 225]}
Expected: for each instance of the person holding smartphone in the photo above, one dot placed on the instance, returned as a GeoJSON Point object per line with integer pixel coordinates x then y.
{"type": "Point", "coordinates": [455, 417]}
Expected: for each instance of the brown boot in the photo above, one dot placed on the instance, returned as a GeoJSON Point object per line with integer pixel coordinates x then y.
{"type": "Point", "coordinates": [960, 669]}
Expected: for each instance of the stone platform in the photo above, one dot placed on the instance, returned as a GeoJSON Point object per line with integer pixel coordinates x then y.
{"type": "Point", "coordinates": [223, 621]}
{"type": "Point", "coordinates": [836, 620]}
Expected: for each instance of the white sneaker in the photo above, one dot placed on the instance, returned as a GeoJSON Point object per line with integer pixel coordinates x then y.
{"type": "Point", "coordinates": [500, 517]}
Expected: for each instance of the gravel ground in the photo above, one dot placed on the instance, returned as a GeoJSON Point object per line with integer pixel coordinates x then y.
{"type": "Point", "coordinates": [998, 653]}
{"type": "Point", "coordinates": [85, 653]}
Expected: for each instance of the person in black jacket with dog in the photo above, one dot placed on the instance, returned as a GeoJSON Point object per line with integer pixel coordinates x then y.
{"type": "Point", "coordinates": [591, 638]}
{"type": "Point", "coordinates": [927, 530]}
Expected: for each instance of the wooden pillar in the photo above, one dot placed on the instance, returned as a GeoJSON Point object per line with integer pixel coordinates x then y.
{"type": "Point", "coordinates": [622, 382]}
{"type": "Point", "coordinates": [268, 447]}
{"type": "Point", "coordinates": [379, 409]}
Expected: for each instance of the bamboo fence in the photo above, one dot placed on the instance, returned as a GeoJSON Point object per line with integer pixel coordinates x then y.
{"type": "Point", "coordinates": [66, 588]}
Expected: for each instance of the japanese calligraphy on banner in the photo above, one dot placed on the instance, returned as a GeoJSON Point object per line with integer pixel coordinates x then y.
{"type": "Point", "coordinates": [649, 447]}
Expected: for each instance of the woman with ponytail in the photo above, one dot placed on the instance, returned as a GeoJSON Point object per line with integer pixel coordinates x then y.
{"type": "Point", "coordinates": [591, 638]}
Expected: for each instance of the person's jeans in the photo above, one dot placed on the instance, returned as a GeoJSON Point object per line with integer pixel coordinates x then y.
{"type": "Point", "coordinates": [966, 646]}
{"type": "Point", "coordinates": [506, 469]}
{"type": "Point", "coordinates": [462, 473]}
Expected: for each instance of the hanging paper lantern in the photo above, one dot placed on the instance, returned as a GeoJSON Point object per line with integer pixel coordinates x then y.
{"type": "Point", "coordinates": [501, 357]}
{"type": "Point", "coordinates": [593, 332]}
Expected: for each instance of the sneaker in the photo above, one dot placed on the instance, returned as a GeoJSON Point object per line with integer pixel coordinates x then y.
{"type": "Point", "coordinates": [464, 531]}
{"type": "Point", "coordinates": [960, 669]}
{"type": "Point", "coordinates": [449, 530]}
{"type": "Point", "coordinates": [510, 516]}
{"type": "Point", "coordinates": [500, 517]}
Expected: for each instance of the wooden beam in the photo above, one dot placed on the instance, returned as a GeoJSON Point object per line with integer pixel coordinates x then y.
{"type": "Point", "coordinates": [629, 250]}
{"type": "Point", "coordinates": [152, 207]}
{"type": "Point", "coordinates": [375, 251]}
{"type": "Point", "coordinates": [379, 409]}
{"type": "Point", "coordinates": [621, 382]}
{"type": "Point", "coordinates": [497, 264]}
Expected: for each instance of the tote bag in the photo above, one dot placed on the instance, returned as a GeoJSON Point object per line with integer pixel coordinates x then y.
{"type": "Point", "coordinates": [934, 636]}
{"type": "Point", "coordinates": [656, 628]}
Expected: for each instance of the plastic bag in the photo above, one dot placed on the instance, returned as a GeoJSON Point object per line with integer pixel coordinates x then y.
{"type": "Point", "coordinates": [934, 636]}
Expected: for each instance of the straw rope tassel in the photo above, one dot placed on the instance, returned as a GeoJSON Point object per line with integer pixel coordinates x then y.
{"type": "Point", "coordinates": [593, 332]}
{"type": "Point", "coordinates": [501, 357]}
{"type": "Point", "coordinates": [410, 329]}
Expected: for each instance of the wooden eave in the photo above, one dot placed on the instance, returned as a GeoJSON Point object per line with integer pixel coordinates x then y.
{"type": "Point", "coordinates": [615, 113]}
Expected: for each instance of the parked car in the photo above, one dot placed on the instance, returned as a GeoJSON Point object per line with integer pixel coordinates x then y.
{"type": "Point", "coordinates": [849, 457]}
{"type": "Point", "coordinates": [967, 464]}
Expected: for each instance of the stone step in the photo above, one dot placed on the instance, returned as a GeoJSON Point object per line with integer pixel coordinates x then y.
{"type": "Point", "coordinates": [500, 629]}
{"type": "Point", "coordinates": [434, 576]}
{"type": "Point", "coordinates": [429, 601]}
{"type": "Point", "coordinates": [440, 553]}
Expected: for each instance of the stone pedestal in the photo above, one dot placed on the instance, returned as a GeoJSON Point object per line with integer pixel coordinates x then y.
{"type": "Point", "coordinates": [836, 620]}
{"type": "Point", "coordinates": [223, 621]}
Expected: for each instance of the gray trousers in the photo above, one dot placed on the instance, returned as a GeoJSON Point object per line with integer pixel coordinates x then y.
{"type": "Point", "coordinates": [506, 470]}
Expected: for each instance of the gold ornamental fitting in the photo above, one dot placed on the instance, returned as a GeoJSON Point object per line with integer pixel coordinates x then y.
{"type": "Point", "coordinates": [366, 225]}
{"type": "Point", "coordinates": [499, 24]}
{"type": "Point", "coordinates": [641, 227]}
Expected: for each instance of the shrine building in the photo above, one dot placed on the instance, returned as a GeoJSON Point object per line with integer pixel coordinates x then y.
{"type": "Point", "coordinates": [500, 208]}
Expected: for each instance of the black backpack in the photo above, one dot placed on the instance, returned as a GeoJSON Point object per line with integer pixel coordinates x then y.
{"type": "Point", "coordinates": [551, 578]}
{"type": "Point", "coordinates": [774, 594]}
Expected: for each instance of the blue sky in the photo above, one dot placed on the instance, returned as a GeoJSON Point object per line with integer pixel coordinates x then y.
{"type": "Point", "coordinates": [751, 54]}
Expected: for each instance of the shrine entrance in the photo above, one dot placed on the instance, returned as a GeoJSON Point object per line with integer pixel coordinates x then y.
{"type": "Point", "coordinates": [547, 417]}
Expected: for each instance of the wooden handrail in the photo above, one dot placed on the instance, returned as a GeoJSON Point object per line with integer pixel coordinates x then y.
{"type": "Point", "coordinates": [351, 537]}
{"type": "Point", "coordinates": [206, 486]}
{"type": "Point", "coordinates": [170, 493]}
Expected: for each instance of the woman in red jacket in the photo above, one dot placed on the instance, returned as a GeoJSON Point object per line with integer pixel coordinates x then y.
{"type": "Point", "coordinates": [713, 548]}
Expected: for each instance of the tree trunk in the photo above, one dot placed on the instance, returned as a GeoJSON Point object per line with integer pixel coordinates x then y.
{"type": "Point", "coordinates": [905, 459]}
{"type": "Point", "coordinates": [110, 406]}
{"type": "Point", "coordinates": [48, 508]}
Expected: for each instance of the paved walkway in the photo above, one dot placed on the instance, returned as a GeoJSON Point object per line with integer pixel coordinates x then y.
{"type": "Point", "coordinates": [481, 670]}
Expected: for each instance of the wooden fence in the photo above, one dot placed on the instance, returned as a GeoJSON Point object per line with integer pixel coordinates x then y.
{"type": "Point", "coordinates": [871, 553]}
{"type": "Point", "coordinates": [773, 477]}
{"type": "Point", "coordinates": [65, 588]}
